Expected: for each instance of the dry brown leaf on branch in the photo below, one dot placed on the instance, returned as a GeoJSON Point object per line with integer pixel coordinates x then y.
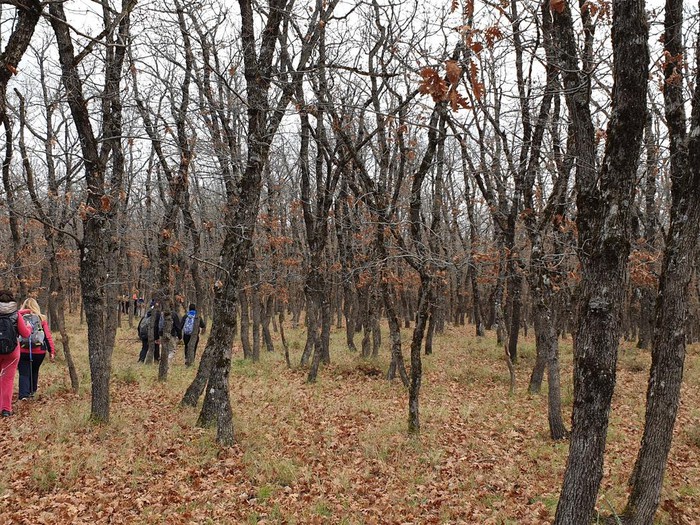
{"type": "Point", "coordinates": [456, 100]}
{"type": "Point", "coordinates": [469, 9]}
{"type": "Point", "coordinates": [557, 5]}
{"type": "Point", "coordinates": [106, 203]}
{"type": "Point", "coordinates": [477, 85]}
{"type": "Point", "coordinates": [432, 84]}
{"type": "Point", "coordinates": [454, 72]}
{"type": "Point", "coordinates": [492, 34]}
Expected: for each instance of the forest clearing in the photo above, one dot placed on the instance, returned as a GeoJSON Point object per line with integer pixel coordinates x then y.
{"type": "Point", "coordinates": [336, 451]}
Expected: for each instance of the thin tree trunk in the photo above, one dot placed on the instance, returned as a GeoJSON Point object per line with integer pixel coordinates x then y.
{"type": "Point", "coordinates": [267, 313]}
{"type": "Point", "coordinates": [416, 376]}
{"type": "Point", "coordinates": [245, 325]}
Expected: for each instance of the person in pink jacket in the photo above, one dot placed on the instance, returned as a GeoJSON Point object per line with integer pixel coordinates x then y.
{"type": "Point", "coordinates": [12, 325]}
{"type": "Point", "coordinates": [33, 348]}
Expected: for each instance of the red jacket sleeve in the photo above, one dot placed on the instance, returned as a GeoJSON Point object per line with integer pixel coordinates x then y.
{"type": "Point", "coordinates": [47, 333]}
{"type": "Point", "coordinates": [23, 328]}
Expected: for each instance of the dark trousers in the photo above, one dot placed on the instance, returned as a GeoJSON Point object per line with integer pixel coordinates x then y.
{"type": "Point", "coordinates": [29, 373]}
{"type": "Point", "coordinates": [189, 355]}
{"type": "Point", "coordinates": [144, 351]}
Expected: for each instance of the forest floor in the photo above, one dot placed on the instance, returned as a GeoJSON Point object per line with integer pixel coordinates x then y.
{"type": "Point", "coordinates": [332, 452]}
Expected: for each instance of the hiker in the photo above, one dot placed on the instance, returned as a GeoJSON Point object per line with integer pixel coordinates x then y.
{"type": "Point", "coordinates": [33, 348]}
{"type": "Point", "coordinates": [192, 325]}
{"type": "Point", "coordinates": [11, 326]}
{"type": "Point", "coordinates": [144, 327]}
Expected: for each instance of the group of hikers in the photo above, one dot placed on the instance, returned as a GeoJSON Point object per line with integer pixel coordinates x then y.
{"type": "Point", "coordinates": [25, 339]}
{"type": "Point", "coordinates": [186, 329]}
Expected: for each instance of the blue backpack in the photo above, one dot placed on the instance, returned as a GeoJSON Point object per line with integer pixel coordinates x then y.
{"type": "Point", "coordinates": [188, 326]}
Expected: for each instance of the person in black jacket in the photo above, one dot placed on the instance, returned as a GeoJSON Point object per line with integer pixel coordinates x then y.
{"type": "Point", "coordinates": [192, 325]}
{"type": "Point", "coordinates": [144, 326]}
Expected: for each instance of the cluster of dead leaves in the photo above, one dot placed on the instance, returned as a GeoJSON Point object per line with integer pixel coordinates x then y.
{"type": "Point", "coordinates": [444, 89]}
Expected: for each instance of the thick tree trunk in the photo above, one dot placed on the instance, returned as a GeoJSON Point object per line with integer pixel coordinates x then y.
{"type": "Point", "coordinates": [216, 408]}
{"type": "Point", "coordinates": [668, 348]}
{"type": "Point", "coordinates": [98, 250]}
{"type": "Point", "coordinates": [604, 203]}
{"type": "Point", "coordinates": [95, 267]}
{"type": "Point", "coordinates": [668, 356]}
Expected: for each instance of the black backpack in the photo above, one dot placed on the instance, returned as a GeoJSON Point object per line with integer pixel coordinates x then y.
{"type": "Point", "coordinates": [8, 333]}
{"type": "Point", "coordinates": [144, 327]}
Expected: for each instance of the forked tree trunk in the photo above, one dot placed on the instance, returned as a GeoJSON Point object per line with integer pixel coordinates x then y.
{"type": "Point", "coordinates": [604, 201]}
{"type": "Point", "coordinates": [98, 249]}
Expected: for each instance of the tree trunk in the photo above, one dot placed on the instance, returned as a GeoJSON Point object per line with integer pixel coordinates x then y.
{"type": "Point", "coordinates": [216, 408]}
{"type": "Point", "coordinates": [245, 324]}
{"type": "Point", "coordinates": [166, 340]}
{"type": "Point", "coordinates": [98, 249]}
{"type": "Point", "coordinates": [267, 315]}
{"type": "Point", "coordinates": [604, 201]}
{"type": "Point", "coordinates": [668, 348]}
{"type": "Point", "coordinates": [416, 376]}
{"type": "Point", "coordinates": [255, 310]}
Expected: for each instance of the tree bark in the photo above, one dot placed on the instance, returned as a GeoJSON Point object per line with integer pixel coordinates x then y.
{"type": "Point", "coordinates": [98, 249]}
{"type": "Point", "coordinates": [604, 202]}
{"type": "Point", "coordinates": [669, 340]}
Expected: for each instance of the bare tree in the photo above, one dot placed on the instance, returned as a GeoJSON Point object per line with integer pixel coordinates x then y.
{"type": "Point", "coordinates": [27, 16]}
{"type": "Point", "coordinates": [605, 198]}
{"type": "Point", "coordinates": [243, 196]}
{"type": "Point", "coordinates": [669, 339]}
{"type": "Point", "coordinates": [98, 246]}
